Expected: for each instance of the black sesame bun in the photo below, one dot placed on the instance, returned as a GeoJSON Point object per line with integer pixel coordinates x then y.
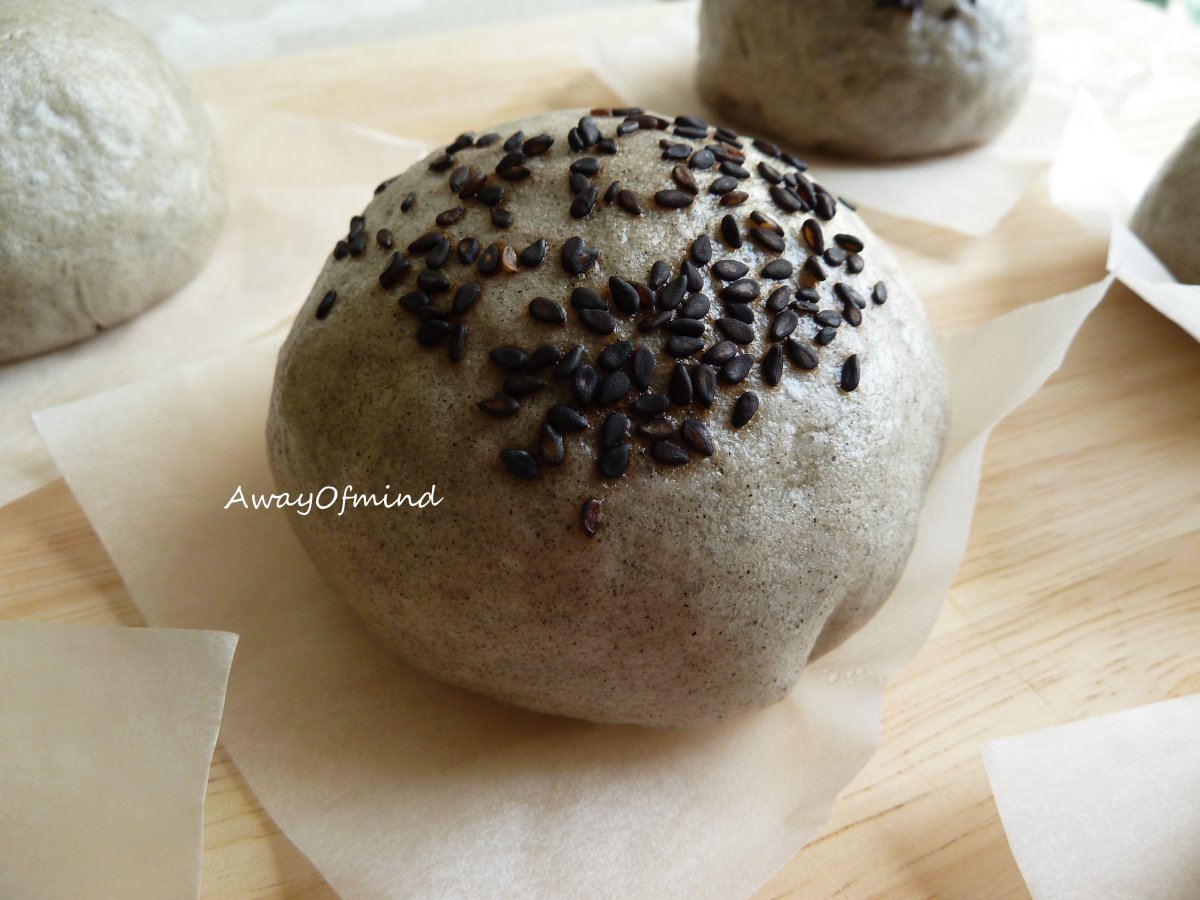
{"type": "Point", "coordinates": [111, 189]}
{"type": "Point", "coordinates": [1168, 216]}
{"type": "Point", "coordinates": [879, 79]}
{"type": "Point", "coordinates": [679, 402]}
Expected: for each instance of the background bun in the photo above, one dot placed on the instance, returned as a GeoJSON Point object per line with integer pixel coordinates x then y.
{"type": "Point", "coordinates": [109, 173]}
{"type": "Point", "coordinates": [659, 526]}
{"type": "Point", "coordinates": [880, 80]}
{"type": "Point", "coordinates": [1168, 217]}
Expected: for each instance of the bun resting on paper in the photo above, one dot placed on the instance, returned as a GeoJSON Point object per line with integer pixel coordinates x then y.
{"type": "Point", "coordinates": [1168, 217]}
{"type": "Point", "coordinates": [109, 172]}
{"type": "Point", "coordinates": [680, 407]}
{"type": "Point", "coordinates": [878, 79]}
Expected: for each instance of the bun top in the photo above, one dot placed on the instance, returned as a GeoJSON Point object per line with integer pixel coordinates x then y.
{"type": "Point", "coordinates": [679, 403]}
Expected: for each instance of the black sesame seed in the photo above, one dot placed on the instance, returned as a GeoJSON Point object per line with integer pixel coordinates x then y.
{"type": "Point", "coordinates": [736, 330]}
{"type": "Point", "coordinates": [566, 418]}
{"type": "Point", "coordinates": [879, 293]}
{"type": "Point", "coordinates": [468, 249]}
{"type": "Point", "coordinates": [508, 358]}
{"type": "Point", "coordinates": [702, 159]}
{"type": "Point", "coordinates": [680, 387]}
{"type": "Point", "coordinates": [492, 195]}
{"type": "Point", "coordinates": [514, 141]}
{"type": "Point", "coordinates": [458, 342]}
{"type": "Point", "coordinates": [543, 357]}
{"type": "Point", "coordinates": [544, 310]}
{"type": "Point", "coordinates": [671, 294]}
{"type": "Point", "coordinates": [736, 370]}
{"type": "Point", "coordinates": [692, 276]}
{"type": "Point", "coordinates": [784, 324]}
{"type": "Point", "coordinates": [341, 250]}
{"type": "Point", "coordinates": [734, 198]}
{"type": "Point", "coordinates": [358, 245]}
{"type": "Point", "coordinates": [692, 122]}
{"type": "Point", "coordinates": [852, 314]}
{"type": "Point", "coordinates": [628, 127]}
{"type": "Point", "coordinates": [683, 177]}
{"type": "Point", "coordinates": [850, 373]}
{"type": "Point", "coordinates": [586, 165]}
{"type": "Point", "coordinates": [768, 239]}
{"type": "Point", "coordinates": [584, 203]}
{"type": "Point", "coordinates": [793, 161]}
{"type": "Point", "coordinates": [643, 367]}
{"type": "Point", "coordinates": [687, 327]}
{"type": "Point", "coordinates": [586, 298]}
{"type": "Point", "coordinates": [428, 313]}
{"type": "Point", "coordinates": [384, 238]}
{"type": "Point", "coordinates": [433, 282]}
{"type": "Point", "coordinates": [787, 199]}
{"type": "Point", "coordinates": [743, 290]}
{"type": "Point", "coordinates": [550, 446]}
{"type": "Point", "coordinates": [628, 201]}
{"type": "Point", "coordinates": [704, 382]}
{"type": "Point", "coordinates": [829, 317]}
{"type": "Point", "coordinates": [769, 172]}
{"type": "Point", "coordinates": [615, 460]}
{"type": "Point", "coordinates": [462, 142]}
{"type": "Point", "coordinates": [778, 301]}
{"type": "Point", "coordinates": [590, 518]}
{"type": "Point", "coordinates": [611, 194]}
{"type": "Point", "coordinates": [808, 295]}
{"type": "Point", "coordinates": [731, 168]}
{"type": "Point", "coordinates": [671, 199]}
{"type": "Point", "coordinates": [614, 355]}
{"type": "Point", "coordinates": [740, 311]}
{"type": "Point", "coordinates": [834, 256]}
{"type": "Point", "coordinates": [584, 384]}
{"type": "Point", "coordinates": [577, 257]}
{"type": "Point", "coordinates": [676, 151]}
{"type": "Point", "coordinates": [801, 355]}
{"type": "Point", "coordinates": [720, 353]}
{"type": "Point", "coordinates": [613, 388]}
{"type": "Point", "coordinates": [761, 218]}
{"type": "Point", "coordinates": [437, 257]}
{"type": "Point", "coordinates": [701, 250]}
{"type": "Point", "coordinates": [656, 429]}
{"type": "Point", "coordinates": [826, 206]}
{"type": "Point", "coordinates": [414, 301]}
{"type": "Point", "coordinates": [696, 307]}
{"type": "Point", "coordinates": [744, 409]}
{"type": "Point", "coordinates": [516, 173]}
{"type": "Point", "coordinates": [575, 140]}
{"type": "Point", "coordinates": [614, 429]}
{"type": "Point", "coordinates": [537, 145]}
{"type": "Point", "coordinates": [520, 463]}
{"type": "Point", "coordinates": [624, 295]}
{"type": "Point", "coordinates": [772, 365]}
{"type": "Point", "coordinates": [766, 147]}
{"type": "Point", "coordinates": [694, 134]}
{"type": "Point", "coordinates": [458, 178]}
{"type": "Point", "coordinates": [849, 243]}
{"type": "Point", "coordinates": [395, 270]}
{"type": "Point", "coordinates": [697, 436]}
{"type": "Point", "coordinates": [607, 146]}
{"type": "Point", "coordinates": [486, 140]}
{"type": "Point", "coordinates": [499, 406]}
{"type": "Point", "coordinates": [326, 304]}
{"type": "Point", "coordinates": [441, 163]}
{"type": "Point", "coordinates": [569, 363]}
{"type": "Point", "coordinates": [777, 270]}
{"type": "Point", "coordinates": [811, 231]}
{"type": "Point", "coordinates": [474, 185]}
{"type": "Point", "coordinates": [465, 297]}
{"type": "Point", "coordinates": [730, 232]}
{"type": "Point", "coordinates": [668, 453]}
{"type": "Point", "coordinates": [681, 346]}
{"type": "Point", "coordinates": [854, 264]}
{"type": "Point", "coordinates": [849, 295]}
{"type": "Point", "coordinates": [577, 183]}
{"type": "Point", "coordinates": [431, 333]}
{"type": "Point", "coordinates": [588, 130]}
{"type": "Point", "coordinates": [531, 257]}
{"type": "Point", "coordinates": [730, 269]}
{"type": "Point", "coordinates": [650, 404]}
{"type": "Point", "coordinates": [409, 201]}
{"type": "Point", "coordinates": [598, 321]}
{"type": "Point", "coordinates": [501, 217]}
{"type": "Point", "coordinates": [656, 321]}
{"type": "Point", "coordinates": [814, 269]}
{"type": "Point", "coordinates": [425, 242]}
{"type": "Point", "coordinates": [510, 160]}
{"type": "Point", "coordinates": [660, 274]}
{"type": "Point", "coordinates": [825, 336]}
{"type": "Point", "coordinates": [382, 186]}
{"type": "Point", "coordinates": [723, 185]}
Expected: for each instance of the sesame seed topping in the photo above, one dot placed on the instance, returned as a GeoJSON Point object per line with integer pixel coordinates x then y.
{"type": "Point", "coordinates": [326, 304]}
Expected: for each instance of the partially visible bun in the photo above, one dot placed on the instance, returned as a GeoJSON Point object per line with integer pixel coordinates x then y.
{"type": "Point", "coordinates": [731, 468]}
{"type": "Point", "coordinates": [1168, 217]}
{"type": "Point", "coordinates": [111, 192]}
{"type": "Point", "coordinates": [864, 78]}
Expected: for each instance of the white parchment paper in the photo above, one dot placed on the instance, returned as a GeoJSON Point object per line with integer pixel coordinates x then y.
{"type": "Point", "coordinates": [396, 785]}
{"type": "Point", "coordinates": [286, 203]}
{"type": "Point", "coordinates": [106, 735]}
{"type": "Point", "coordinates": [1105, 807]}
{"type": "Point", "coordinates": [1099, 183]}
{"type": "Point", "coordinates": [968, 192]}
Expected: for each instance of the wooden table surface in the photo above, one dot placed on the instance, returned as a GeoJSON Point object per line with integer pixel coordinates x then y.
{"type": "Point", "coordinates": [1079, 592]}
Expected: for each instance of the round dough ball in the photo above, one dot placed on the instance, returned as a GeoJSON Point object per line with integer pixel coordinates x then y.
{"type": "Point", "coordinates": [720, 554]}
{"type": "Point", "coordinates": [1168, 217]}
{"type": "Point", "coordinates": [864, 78]}
{"type": "Point", "coordinates": [109, 172]}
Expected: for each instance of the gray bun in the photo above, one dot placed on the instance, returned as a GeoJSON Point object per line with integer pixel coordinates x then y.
{"type": "Point", "coordinates": [109, 172]}
{"type": "Point", "coordinates": [1168, 217]}
{"type": "Point", "coordinates": [706, 585]}
{"type": "Point", "coordinates": [867, 79]}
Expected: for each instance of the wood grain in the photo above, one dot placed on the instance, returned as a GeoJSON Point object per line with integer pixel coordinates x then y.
{"type": "Point", "coordinates": [1079, 593]}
